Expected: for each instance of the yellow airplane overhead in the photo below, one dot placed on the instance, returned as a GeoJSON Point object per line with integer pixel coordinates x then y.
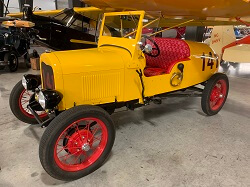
{"type": "Point", "coordinates": [196, 8]}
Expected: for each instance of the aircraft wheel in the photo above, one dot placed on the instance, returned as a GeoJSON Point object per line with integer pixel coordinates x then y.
{"type": "Point", "coordinates": [77, 142]}
{"type": "Point", "coordinates": [19, 99]}
{"type": "Point", "coordinates": [225, 66]}
{"type": "Point", "coordinates": [215, 94]}
{"type": "Point", "coordinates": [235, 65]}
{"type": "Point", "coordinates": [12, 58]}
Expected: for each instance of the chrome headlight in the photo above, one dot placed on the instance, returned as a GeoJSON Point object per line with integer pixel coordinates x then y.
{"type": "Point", "coordinates": [31, 82]}
{"type": "Point", "coordinates": [41, 99]}
{"type": "Point", "coordinates": [24, 82]}
{"type": "Point", "coordinates": [49, 99]}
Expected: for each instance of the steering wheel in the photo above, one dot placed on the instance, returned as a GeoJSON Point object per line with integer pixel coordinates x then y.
{"type": "Point", "coordinates": [155, 47]}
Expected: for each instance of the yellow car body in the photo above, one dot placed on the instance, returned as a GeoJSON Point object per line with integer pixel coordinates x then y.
{"type": "Point", "coordinates": [80, 136]}
{"type": "Point", "coordinates": [107, 74]}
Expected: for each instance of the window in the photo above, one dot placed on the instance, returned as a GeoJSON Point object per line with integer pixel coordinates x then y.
{"type": "Point", "coordinates": [122, 26]}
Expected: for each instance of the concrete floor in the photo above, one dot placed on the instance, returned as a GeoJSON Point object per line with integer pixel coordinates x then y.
{"type": "Point", "coordinates": [173, 144]}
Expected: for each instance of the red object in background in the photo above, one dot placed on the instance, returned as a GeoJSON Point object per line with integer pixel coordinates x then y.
{"type": "Point", "coordinates": [245, 40]}
{"type": "Point", "coordinates": [147, 30]}
{"type": "Point", "coordinates": [180, 32]}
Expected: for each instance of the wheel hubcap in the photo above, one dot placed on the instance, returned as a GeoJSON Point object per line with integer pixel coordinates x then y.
{"type": "Point", "coordinates": [86, 147]}
{"type": "Point", "coordinates": [79, 141]}
{"type": "Point", "coordinates": [218, 93]}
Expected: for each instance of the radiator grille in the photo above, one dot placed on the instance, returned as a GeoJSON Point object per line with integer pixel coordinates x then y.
{"type": "Point", "coordinates": [101, 86]}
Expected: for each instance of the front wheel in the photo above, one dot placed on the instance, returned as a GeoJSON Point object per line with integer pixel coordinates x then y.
{"type": "Point", "coordinates": [215, 94]}
{"type": "Point", "coordinates": [77, 142]}
{"type": "Point", "coordinates": [19, 99]}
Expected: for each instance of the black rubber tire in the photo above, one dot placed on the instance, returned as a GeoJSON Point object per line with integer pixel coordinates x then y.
{"type": "Point", "coordinates": [8, 58]}
{"type": "Point", "coordinates": [205, 99]}
{"type": "Point", "coordinates": [14, 105]}
{"type": "Point", "coordinates": [57, 126]}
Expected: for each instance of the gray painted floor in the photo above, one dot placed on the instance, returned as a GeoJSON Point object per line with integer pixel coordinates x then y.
{"type": "Point", "coordinates": [173, 144]}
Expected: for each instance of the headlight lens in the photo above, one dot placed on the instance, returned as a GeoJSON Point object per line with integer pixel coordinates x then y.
{"type": "Point", "coordinates": [24, 82]}
{"type": "Point", "coordinates": [41, 99]}
{"type": "Point", "coordinates": [48, 99]}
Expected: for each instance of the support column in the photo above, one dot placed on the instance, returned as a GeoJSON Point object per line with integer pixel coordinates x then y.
{"type": "Point", "coordinates": [1, 8]}
{"type": "Point", "coordinates": [22, 2]}
{"type": "Point", "coordinates": [195, 33]}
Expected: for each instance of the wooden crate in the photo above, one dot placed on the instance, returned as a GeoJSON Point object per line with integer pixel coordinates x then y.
{"type": "Point", "coordinates": [35, 63]}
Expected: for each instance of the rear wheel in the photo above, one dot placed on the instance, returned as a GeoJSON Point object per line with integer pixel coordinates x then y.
{"type": "Point", "coordinates": [12, 59]}
{"type": "Point", "coordinates": [19, 99]}
{"type": "Point", "coordinates": [215, 94]}
{"type": "Point", "coordinates": [77, 142]}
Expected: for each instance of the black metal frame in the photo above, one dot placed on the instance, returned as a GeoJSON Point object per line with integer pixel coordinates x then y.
{"type": "Point", "coordinates": [38, 119]}
{"type": "Point", "coordinates": [2, 6]}
{"type": "Point", "coordinates": [131, 105]}
{"type": "Point", "coordinates": [22, 2]}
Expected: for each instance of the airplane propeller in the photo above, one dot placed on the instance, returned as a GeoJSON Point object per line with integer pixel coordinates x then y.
{"type": "Point", "coordinates": [18, 23]}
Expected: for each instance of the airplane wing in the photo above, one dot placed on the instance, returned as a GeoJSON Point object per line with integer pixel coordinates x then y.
{"type": "Point", "coordinates": [193, 8]}
{"type": "Point", "coordinates": [90, 12]}
{"type": "Point", "coordinates": [170, 22]}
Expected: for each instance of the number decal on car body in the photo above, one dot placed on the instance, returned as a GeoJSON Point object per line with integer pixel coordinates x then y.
{"type": "Point", "coordinates": [210, 61]}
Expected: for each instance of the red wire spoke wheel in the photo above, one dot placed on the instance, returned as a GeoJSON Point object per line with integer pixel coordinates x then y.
{"type": "Point", "coordinates": [77, 142]}
{"type": "Point", "coordinates": [19, 100]}
{"type": "Point", "coordinates": [215, 94]}
{"type": "Point", "coordinates": [84, 144]}
{"type": "Point", "coordinates": [23, 102]}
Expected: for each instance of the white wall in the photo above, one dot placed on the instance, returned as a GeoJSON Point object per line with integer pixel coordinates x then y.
{"type": "Point", "coordinates": [44, 4]}
{"type": "Point", "coordinates": [62, 4]}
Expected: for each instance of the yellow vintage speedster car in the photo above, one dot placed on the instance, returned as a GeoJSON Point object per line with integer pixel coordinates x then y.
{"type": "Point", "coordinates": [78, 90]}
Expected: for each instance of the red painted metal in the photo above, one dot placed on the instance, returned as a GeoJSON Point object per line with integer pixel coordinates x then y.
{"type": "Point", "coordinates": [218, 93]}
{"type": "Point", "coordinates": [69, 155]}
{"type": "Point", "coordinates": [244, 22]}
{"type": "Point", "coordinates": [245, 40]}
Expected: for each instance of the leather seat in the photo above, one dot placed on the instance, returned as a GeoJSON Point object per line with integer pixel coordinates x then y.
{"type": "Point", "coordinates": [172, 51]}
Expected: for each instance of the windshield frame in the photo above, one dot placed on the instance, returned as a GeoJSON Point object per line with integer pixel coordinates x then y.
{"type": "Point", "coordinates": [129, 44]}
{"type": "Point", "coordinates": [128, 13]}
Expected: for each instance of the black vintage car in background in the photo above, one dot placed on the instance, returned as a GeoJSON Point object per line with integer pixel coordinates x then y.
{"type": "Point", "coordinates": [58, 32]}
{"type": "Point", "coordinates": [14, 43]}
